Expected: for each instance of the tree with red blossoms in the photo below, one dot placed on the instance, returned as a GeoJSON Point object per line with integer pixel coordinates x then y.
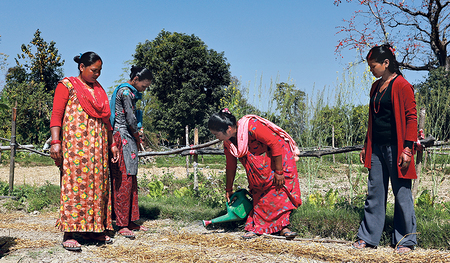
{"type": "Point", "coordinates": [417, 29]}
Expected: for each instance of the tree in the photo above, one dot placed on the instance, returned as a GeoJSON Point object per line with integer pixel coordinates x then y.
{"type": "Point", "coordinates": [189, 80]}
{"type": "Point", "coordinates": [33, 111]}
{"type": "Point", "coordinates": [32, 86]}
{"type": "Point", "coordinates": [45, 65]}
{"type": "Point", "coordinates": [418, 29]}
{"type": "Point", "coordinates": [234, 99]}
{"type": "Point", "coordinates": [290, 104]}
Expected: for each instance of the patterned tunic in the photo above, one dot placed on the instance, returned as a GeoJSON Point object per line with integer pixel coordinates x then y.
{"type": "Point", "coordinates": [85, 192]}
{"type": "Point", "coordinates": [271, 206]}
{"type": "Point", "coordinates": [125, 112]}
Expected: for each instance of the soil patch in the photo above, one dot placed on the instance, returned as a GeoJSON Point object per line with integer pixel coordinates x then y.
{"type": "Point", "coordinates": [32, 237]}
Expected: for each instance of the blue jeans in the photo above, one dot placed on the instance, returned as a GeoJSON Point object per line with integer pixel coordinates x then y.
{"type": "Point", "coordinates": [384, 166]}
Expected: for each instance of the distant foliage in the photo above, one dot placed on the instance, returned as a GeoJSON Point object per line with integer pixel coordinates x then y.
{"type": "Point", "coordinates": [189, 80]}
{"type": "Point", "coordinates": [291, 105]}
{"type": "Point", "coordinates": [234, 99]}
{"type": "Point", "coordinates": [433, 95]}
{"type": "Point", "coordinates": [31, 83]}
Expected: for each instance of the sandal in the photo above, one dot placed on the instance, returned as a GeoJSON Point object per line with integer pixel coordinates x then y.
{"type": "Point", "coordinates": [102, 237]}
{"type": "Point", "coordinates": [71, 245]}
{"type": "Point", "coordinates": [250, 235]}
{"type": "Point", "coordinates": [136, 227]}
{"type": "Point", "coordinates": [126, 233]}
{"type": "Point", "coordinates": [403, 250]}
{"type": "Point", "coordinates": [360, 244]}
{"type": "Point", "coordinates": [288, 234]}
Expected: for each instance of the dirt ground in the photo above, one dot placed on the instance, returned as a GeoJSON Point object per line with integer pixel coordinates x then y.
{"type": "Point", "coordinates": [32, 237]}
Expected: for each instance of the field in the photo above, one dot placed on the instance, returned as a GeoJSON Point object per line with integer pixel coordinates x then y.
{"type": "Point", "coordinates": [32, 237]}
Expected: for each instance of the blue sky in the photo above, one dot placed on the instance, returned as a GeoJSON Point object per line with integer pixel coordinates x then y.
{"type": "Point", "coordinates": [282, 41]}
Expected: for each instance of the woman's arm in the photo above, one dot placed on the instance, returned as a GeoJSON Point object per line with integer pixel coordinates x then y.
{"type": "Point", "coordinates": [59, 105]}
{"type": "Point", "coordinates": [230, 174]}
{"type": "Point", "coordinates": [129, 111]}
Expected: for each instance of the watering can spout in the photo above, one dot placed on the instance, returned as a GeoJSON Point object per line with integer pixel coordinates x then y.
{"type": "Point", "coordinates": [238, 209]}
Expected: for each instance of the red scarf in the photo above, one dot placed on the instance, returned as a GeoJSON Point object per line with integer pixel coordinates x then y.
{"type": "Point", "coordinates": [96, 107]}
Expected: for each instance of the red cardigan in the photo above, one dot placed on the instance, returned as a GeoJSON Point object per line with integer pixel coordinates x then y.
{"type": "Point", "coordinates": [405, 115]}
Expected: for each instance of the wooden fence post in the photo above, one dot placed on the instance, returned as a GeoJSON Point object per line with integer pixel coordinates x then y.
{"type": "Point", "coordinates": [332, 142]}
{"type": "Point", "coordinates": [13, 149]}
{"type": "Point", "coordinates": [419, 156]}
{"type": "Point", "coordinates": [195, 160]}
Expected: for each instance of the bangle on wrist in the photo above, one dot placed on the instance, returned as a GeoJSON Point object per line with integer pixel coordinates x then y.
{"type": "Point", "coordinates": [407, 153]}
{"type": "Point", "coordinates": [112, 145]}
{"type": "Point", "coordinates": [279, 172]}
{"type": "Point", "coordinates": [229, 189]}
{"type": "Point", "coordinates": [55, 142]}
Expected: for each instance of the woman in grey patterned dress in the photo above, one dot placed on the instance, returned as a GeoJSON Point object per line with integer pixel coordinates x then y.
{"type": "Point", "coordinates": [126, 126]}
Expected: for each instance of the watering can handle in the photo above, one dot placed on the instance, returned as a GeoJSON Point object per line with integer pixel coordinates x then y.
{"type": "Point", "coordinates": [233, 195]}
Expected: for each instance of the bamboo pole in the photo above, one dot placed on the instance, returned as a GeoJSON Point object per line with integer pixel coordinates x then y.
{"type": "Point", "coordinates": [419, 157]}
{"type": "Point", "coordinates": [13, 149]}
{"type": "Point", "coordinates": [187, 156]}
{"type": "Point", "coordinates": [195, 160]}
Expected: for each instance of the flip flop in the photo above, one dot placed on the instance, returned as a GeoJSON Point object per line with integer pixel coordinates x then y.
{"type": "Point", "coordinates": [137, 227]}
{"type": "Point", "coordinates": [250, 235]}
{"type": "Point", "coordinates": [406, 249]}
{"type": "Point", "coordinates": [126, 233]}
{"type": "Point", "coordinates": [289, 235]}
{"type": "Point", "coordinates": [360, 244]}
{"type": "Point", "coordinates": [101, 237]}
{"type": "Point", "coordinates": [71, 245]}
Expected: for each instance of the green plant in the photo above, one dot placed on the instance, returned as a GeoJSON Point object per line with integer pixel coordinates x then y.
{"type": "Point", "coordinates": [210, 194]}
{"type": "Point", "coordinates": [156, 189]}
{"type": "Point", "coordinates": [184, 191]}
{"type": "Point", "coordinates": [425, 200]}
{"type": "Point", "coordinates": [327, 201]}
{"type": "Point", "coordinates": [42, 197]}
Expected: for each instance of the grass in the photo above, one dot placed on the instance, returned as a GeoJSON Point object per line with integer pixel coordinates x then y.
{"type": "Point", "coordinates": [27, 159]}
{"type": "Point", "coordinates": [204, 161]}
{"type": "Point", "coordinates": [177, 200]}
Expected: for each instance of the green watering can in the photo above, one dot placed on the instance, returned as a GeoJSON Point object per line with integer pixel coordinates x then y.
{"type": "Point", "coordinates": [238, 209]}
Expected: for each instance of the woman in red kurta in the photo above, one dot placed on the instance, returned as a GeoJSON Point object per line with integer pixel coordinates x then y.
{"type": "Point", "coordinates": [81, 133]}
{"type": "Point", "coordinates": [268, 155]}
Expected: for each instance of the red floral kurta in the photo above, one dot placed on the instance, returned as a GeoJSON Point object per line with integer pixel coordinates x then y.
{"type": "Point", "coordinates": [85, 194]}
{"type": "Point", "coordinates": [271, 206]}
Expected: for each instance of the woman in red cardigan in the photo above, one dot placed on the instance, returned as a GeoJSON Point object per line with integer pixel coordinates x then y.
{"type": "Point", "coordinates": [388, 153]}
